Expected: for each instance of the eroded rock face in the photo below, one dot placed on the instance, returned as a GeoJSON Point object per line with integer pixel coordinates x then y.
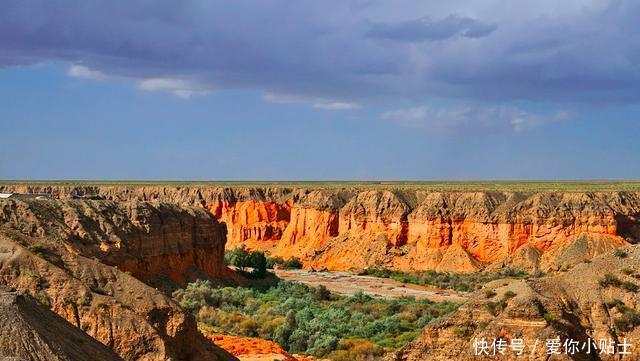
{"type": "Point", "coordinates": [572, 305]}
{"type": "Point", "coordinates": [86, 260]}
{"type": "Point", "coordinates": [403, 230]}
{"type": "Point", "coordinates": [29, 331]}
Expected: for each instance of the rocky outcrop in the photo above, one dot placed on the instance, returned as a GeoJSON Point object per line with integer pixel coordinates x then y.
{"type": "Point", "coordinates": [31, 332]}
{"type": "Point", "coordinates": [405, 230]}
{"type": "Point", "coordinates": [87, 260]}
{"type": "Point", "coordinates": [573, 305]}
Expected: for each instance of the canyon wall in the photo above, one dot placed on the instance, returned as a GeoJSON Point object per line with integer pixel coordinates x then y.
{"type": "Point", "coordinates": [341, 229]}
{"type": "Point", "coordinates": [572, 305]}
{"type": "Point", "coordinates": [88, 262]}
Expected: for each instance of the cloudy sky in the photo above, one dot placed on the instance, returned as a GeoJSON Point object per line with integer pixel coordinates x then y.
{"type": "Point", "coordinates": [304, 90]}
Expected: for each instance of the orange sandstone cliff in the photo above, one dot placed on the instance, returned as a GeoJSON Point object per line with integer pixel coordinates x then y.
{"type": "Point", "coordinates": [340, 229]}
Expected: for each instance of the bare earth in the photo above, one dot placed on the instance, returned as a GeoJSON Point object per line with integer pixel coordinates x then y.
{"type": "Point", "coordinates": [346, 283]}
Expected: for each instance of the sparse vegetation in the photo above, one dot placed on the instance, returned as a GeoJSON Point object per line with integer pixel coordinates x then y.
{"type": "Point", "coordinates": [495, 308]}
{"type": "Point", "coordinates": [489, 293]}
{"type": "Point", "coordinates": [551, 318]}
{"type": "Point", "coordinates": [83, 302]}
{"type": "Point", "coordinates": [561, 186]}
{"type": "Point", "coordinates": [460, 331]}
{"type": "Point", "coordinates": [610, 280]}
{"type": "Point", "coordinates": [311, 320]}
{"type": "Point", "coordinates": [291, 263]}
{"type": "Point", "coordinates": [43, 300]}
{"type": "Point", "coordinates": [627, 271]}
{"type": "Point", "coordinates": [620, 253]}
{"type": "Point", "coordinates": [99, 290]}
{"type": "Point", "coordinates": [565, 267]}
{"type": "Point", "coordinates": [509, 294]}
{"type": "Point", "coordinates": [30, 275]}
{"type": "Point", "coordinates": [39, 250]}
{"type": "Point", "coordinates": [630, 318]}
{"type": "Point", "coordinates": [454, 281]}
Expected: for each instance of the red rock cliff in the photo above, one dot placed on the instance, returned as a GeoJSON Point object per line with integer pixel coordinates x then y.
{"type": "Point", "coordinates": [405, 230]}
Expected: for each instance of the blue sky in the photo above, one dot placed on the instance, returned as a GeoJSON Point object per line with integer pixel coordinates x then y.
{"type": "Point", "coordinates": [310, 90]}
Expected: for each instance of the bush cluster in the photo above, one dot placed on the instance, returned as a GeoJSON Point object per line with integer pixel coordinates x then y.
{"type": "Point", "coordinates": [242, 259]}
{"type": "Point", "coordinates": [259, 263]}
{"type": "Point", "coordinates": [630, 318]}
{"type": "Point", "coordinates": [311, 320]}
{"type": "Point", "coordinates": [610, 280]}
{"type": "Point", "coordinates": [291, 263]}
{"type": "Point", "coordinates": [454, 281]}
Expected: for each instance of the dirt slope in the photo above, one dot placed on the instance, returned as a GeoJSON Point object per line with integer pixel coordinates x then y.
{"type": "Point", "coordinates": [31, 332]}
{"type": "Point", "coordinates": [79, 258]}
{"type": "Point", "coordinates": [571, 305]}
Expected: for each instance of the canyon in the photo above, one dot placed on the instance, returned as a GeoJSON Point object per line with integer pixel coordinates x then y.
{"type": "Point", "coordinates": [95, 264]}
{"type": "Point", "coordinates": [406, 230]}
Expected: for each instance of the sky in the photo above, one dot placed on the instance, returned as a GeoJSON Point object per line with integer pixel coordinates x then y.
{"type": "Point", "coordinates": [319, 90]}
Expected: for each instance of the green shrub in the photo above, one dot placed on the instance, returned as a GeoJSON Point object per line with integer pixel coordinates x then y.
{"type": "Point", "coordinates": [627, 271]}
{"type": "Point", "coordinates": [273, 261]}
{"type": "Point", "coordinates": [494, 308]}
{"type": "Point", "coordinates": [311, 320]}
{"type": "Point", "coordinates": [565, 267]}
{"type": "Point", "coordinates": [242, 259]}
{"type": "Point", "coordinates": [83, 302]}
{"type": "Point", "coordinates": [39, 250]}
{"type": "Point", "coordinates": [292, 263]}
{"type": "Point", "coordinates": [510, 294]}
{"type": "Point", "coordinates": [460, 331]}
{"type": "Point", "coordinates": [238, 257]}
{"type": "Point", "coordinates": [610, 280]}
{"type": "Point", "coordinates": [99, 290]}
{"type": "Point", "coordinates": [43, 300]}
{"type": "Point", "coordinates": [551, 318]}
{"type": "Point", "coordinates": [628, 321]}
{"type": "Point", "coordinates": [455, 281]}
{"type": "Point", "coordinates": [489, 293]}
{"type": "Point", "coordinates": [629, 286]}
{"type": "Point", "coordinates": [620, 253]}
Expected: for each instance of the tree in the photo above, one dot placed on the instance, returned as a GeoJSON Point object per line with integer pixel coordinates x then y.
{"type": "Point", "coordinates": [321, 293]}
{"type": "Point", "coordinates": [258, 261]}
{"type": "Point", "coordinates": [238, 257]}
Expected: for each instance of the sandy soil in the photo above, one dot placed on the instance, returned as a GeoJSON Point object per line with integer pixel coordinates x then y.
{"type": "Point", "coordinates": [347, 284]}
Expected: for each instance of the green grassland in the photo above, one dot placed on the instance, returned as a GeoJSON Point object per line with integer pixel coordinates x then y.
{"type": "Point", "coordinates": [454, 185]}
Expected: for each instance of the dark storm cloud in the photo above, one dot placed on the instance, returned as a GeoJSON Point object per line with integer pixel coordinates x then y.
{"type": "Point", "coordinates": [425, 29]}
{"type": "Point", "coordinates": [330, 50]}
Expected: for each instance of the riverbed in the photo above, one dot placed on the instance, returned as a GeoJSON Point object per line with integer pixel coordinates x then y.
{"type": "Point", "coordinates": [345, 283]}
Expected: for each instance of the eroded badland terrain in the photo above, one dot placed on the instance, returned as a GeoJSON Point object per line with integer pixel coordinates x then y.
{"type": "Point", "coordinates": [88, 269]}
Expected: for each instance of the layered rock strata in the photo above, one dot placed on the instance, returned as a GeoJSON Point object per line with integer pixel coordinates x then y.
{"type": "Point", "coordinates": [87, 260]}
{"type": "Point", "coordinates": [340, 229]}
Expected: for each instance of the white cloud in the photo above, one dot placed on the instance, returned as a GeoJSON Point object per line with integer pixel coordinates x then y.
{"type": "Point", "coordinates": [182, 88]}
{"type": "Point", "coordinates": [318, 103]}
{"type": "Point", "coordinates": [451, 119]}
{"type": "Point", "coordinates": [84, 72]}
{"type": "Point", "coordinates": [179, 87]}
